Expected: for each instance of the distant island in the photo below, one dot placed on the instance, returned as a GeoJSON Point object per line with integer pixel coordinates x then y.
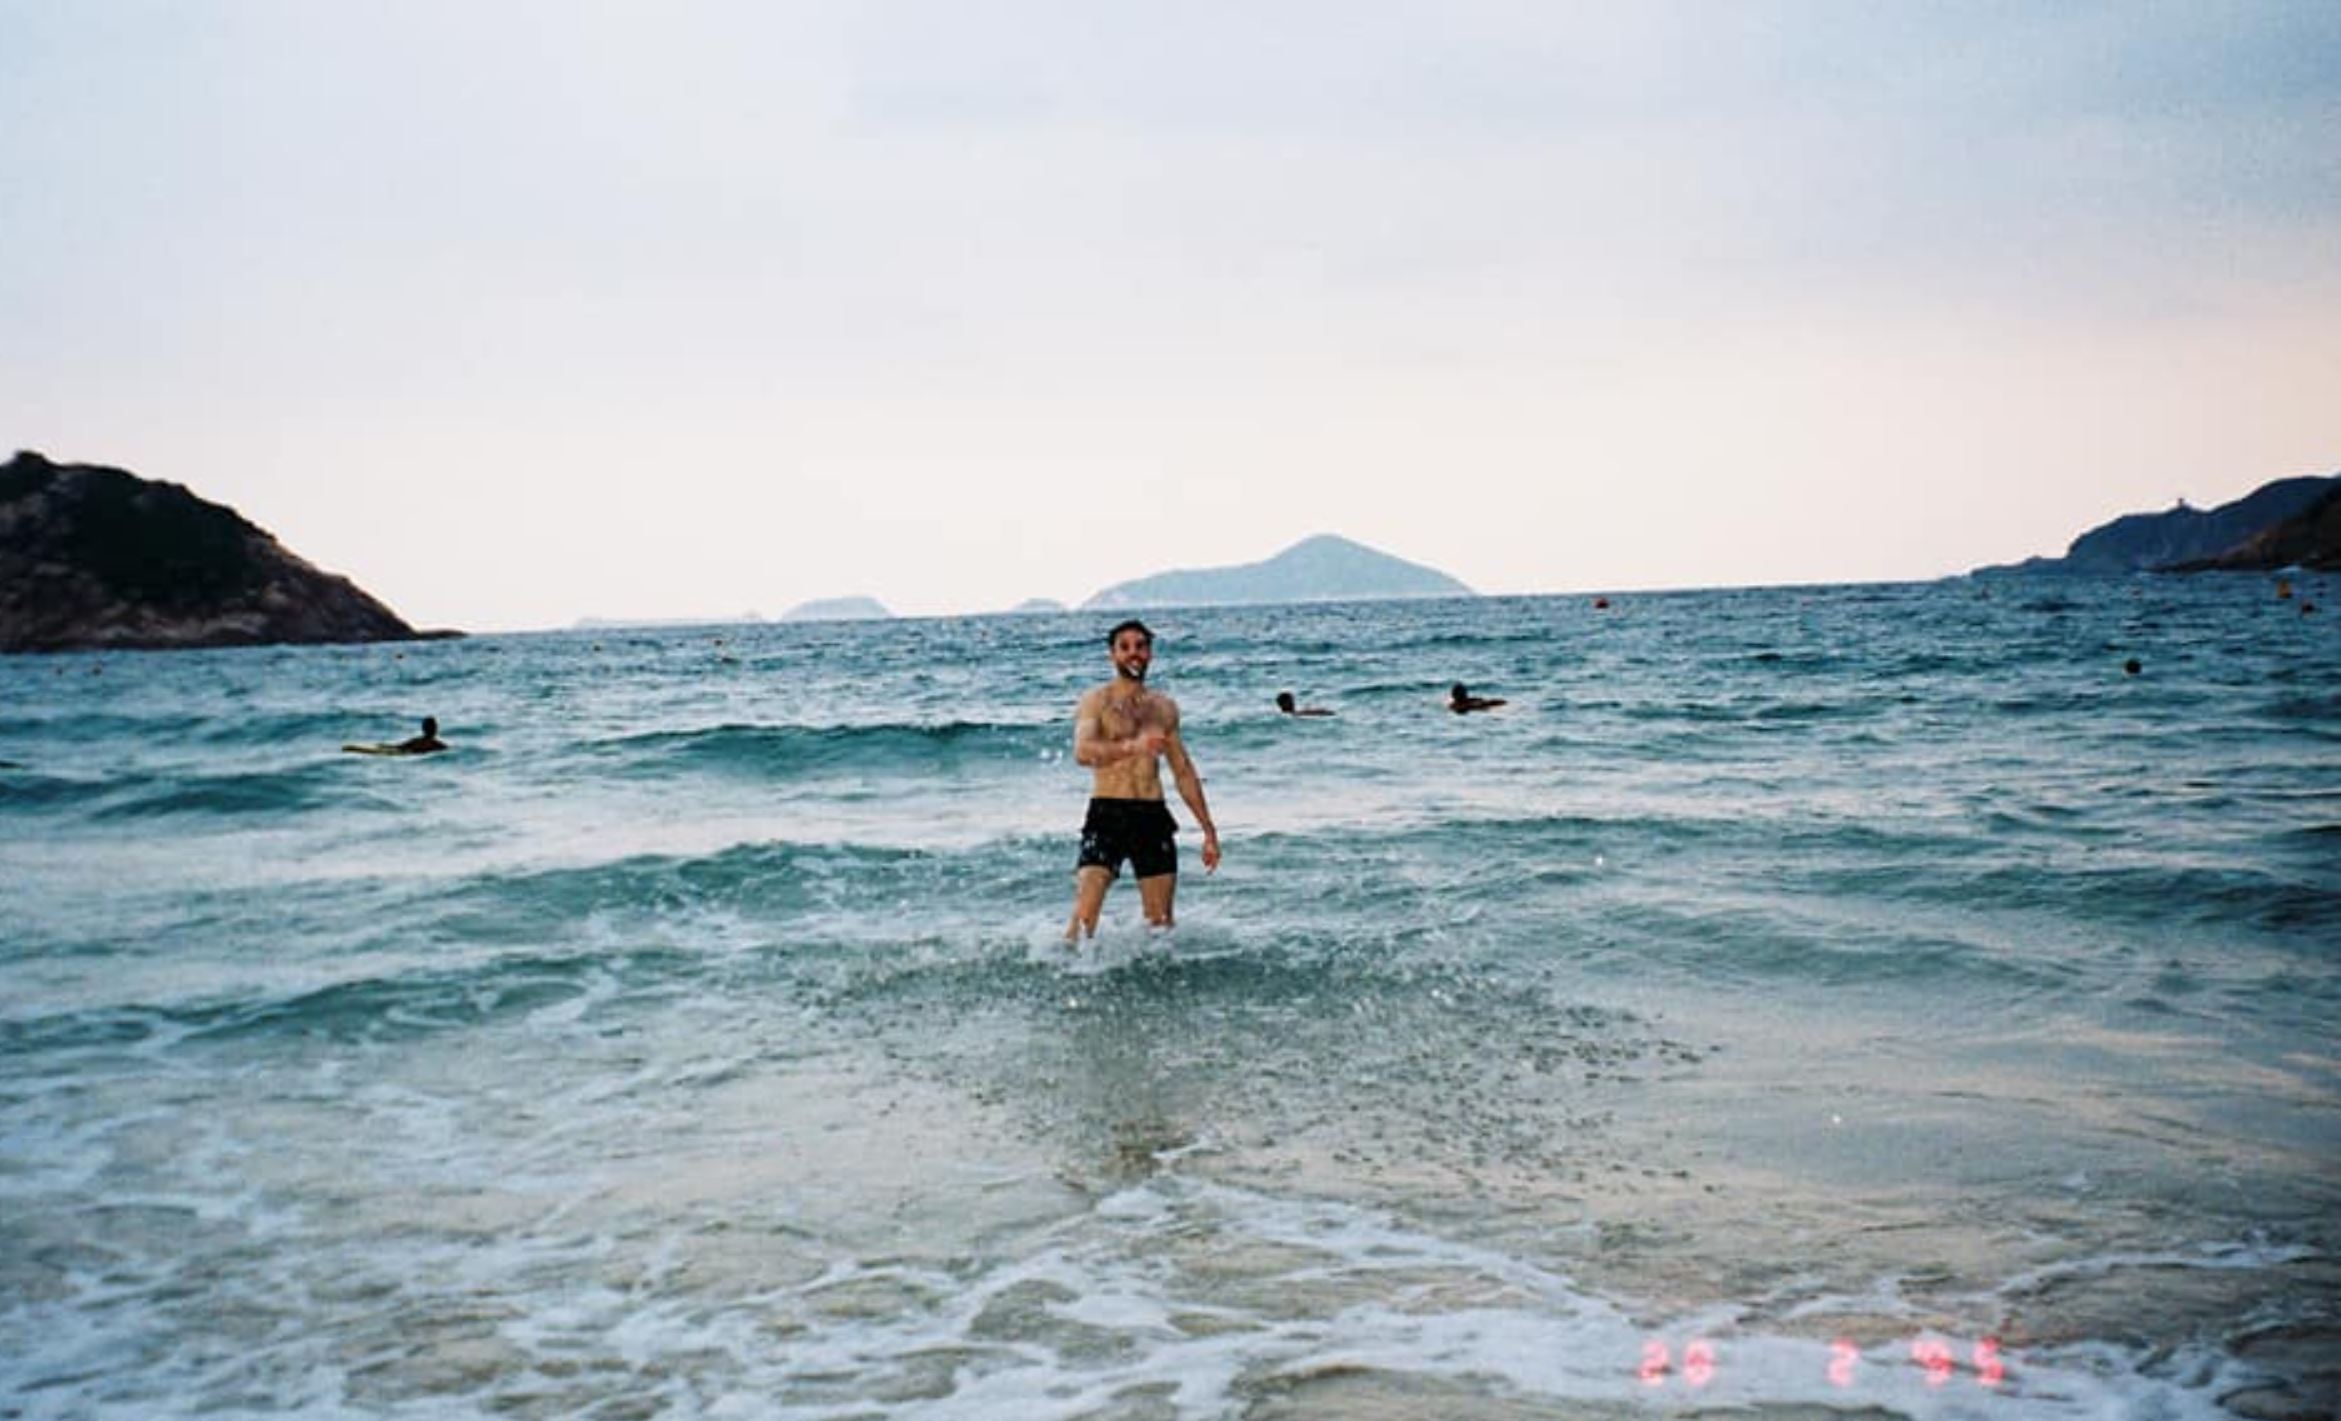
{"type": "Point", "coordinates": [93, 557]}
{"type": "Point", "coordinates": [2291, 522]}
{"type": "Point", "coordinates": [838, 609]}
{"type": "Point", "coordinates": [1324, 568]}
{"type": "Point", "coordinates": [1032, 605]}
{"type": "Point", "coordinates": [598, 624]}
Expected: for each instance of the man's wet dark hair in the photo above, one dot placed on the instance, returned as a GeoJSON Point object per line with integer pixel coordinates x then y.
{"type": "Point", "coordinates": [1456, 692]}
{"type": "Point", "coordinates": [1132, 625]}
{"type": "Point", "coordinates": [430, 725]}
{"type": "Point", "coordinates": [1284, 701]}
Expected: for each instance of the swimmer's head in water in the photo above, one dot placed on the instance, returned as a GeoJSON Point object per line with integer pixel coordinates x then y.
{"type": "Point", "coordinates": [1457, 692]}
{"type": "Point", "coordinates": [430, 725]}
{"type": "Point", "coordinates": [1284, 701]}
{"type": "Point", "coordinates": [1132, 646]}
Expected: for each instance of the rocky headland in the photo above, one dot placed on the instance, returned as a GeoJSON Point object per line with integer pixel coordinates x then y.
{"type": "Point", "coordinates": [2308, 539]}
{"type": "Point", "coordinates": [2233, 536]}
{"type": "Point", "coordinates": [98, 558]}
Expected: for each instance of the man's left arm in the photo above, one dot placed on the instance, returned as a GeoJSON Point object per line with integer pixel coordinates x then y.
{"type": "Point", "coordinates": [1191, 790]}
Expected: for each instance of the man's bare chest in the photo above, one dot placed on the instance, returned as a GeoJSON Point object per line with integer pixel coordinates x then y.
{"type": "Point", "coordinates": [1124, 716]}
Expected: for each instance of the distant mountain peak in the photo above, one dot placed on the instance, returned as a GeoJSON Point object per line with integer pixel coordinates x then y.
{"type": "Point", "coordinates": [838, 609]}
{"type": "Point", "coordinates": [1324, 567]}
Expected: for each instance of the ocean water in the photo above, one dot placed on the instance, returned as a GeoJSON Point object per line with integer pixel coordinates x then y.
{"type": "Point", "coordinates": [1856, 1000]}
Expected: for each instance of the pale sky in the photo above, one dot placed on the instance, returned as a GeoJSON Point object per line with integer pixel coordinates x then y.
{"type": "Point", "coordinates": [521, 313]}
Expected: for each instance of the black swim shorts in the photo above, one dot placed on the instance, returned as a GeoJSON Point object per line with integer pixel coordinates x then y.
{"type": "Point", "coordinates": [1140, 830]}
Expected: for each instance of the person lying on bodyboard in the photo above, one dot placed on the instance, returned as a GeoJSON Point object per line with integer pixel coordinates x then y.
{"type": "Point", "coordinates": [424, 744]}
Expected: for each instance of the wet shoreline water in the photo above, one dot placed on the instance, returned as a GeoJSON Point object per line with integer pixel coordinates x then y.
{"type": "Point", "coordinates": [1796, 1000]}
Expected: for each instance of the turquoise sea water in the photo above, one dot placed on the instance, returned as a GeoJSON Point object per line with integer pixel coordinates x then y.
{"type": "Point", "coordinates": [1798, 1001]}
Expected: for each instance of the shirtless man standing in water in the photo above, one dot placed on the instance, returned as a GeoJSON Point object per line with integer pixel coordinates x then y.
{"type": "Point", "coordinates": [1120, 731]}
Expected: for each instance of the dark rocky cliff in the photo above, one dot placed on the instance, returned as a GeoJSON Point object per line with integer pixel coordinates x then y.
{"type": "Point", "coordinates": [95, 557]}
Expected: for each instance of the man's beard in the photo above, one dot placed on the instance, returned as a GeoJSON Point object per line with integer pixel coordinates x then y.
{"type": "Point", "coordinates": [1127, 674]}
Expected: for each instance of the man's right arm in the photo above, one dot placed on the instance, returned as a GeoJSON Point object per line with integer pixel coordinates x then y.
{"type": "Point", "coordinates": [1090, 747]}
